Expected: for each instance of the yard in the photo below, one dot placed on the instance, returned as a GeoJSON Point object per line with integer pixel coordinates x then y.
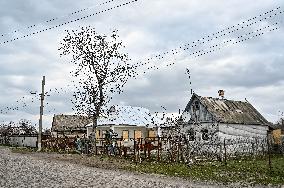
{"type": "Point", "coordinates": [247, 171]}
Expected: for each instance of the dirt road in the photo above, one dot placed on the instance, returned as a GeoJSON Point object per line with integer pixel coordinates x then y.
{"type": "Point", "coordinates": [29, 170]}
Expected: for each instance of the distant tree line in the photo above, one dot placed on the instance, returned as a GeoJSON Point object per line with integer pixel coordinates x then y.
{"type": "Point", "coordinates": [24, 126]}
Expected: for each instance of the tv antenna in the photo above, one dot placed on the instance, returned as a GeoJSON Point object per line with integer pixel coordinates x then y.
{"type": "Point", "coordinates": [189, 77]}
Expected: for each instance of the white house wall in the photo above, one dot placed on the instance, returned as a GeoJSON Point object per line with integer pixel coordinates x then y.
{"type": "Point", "coordinates": [211, 127]}
{"type": "Point", "coordinates": [243, 138]}
{"type": "Point", "coordinates": [233, 131]}
{"type": "Point", "coordinates": [118, 129]}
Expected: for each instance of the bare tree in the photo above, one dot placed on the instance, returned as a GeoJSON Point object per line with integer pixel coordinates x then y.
{"type": "Point", "coordinates": [101, 67]}
{"type": "Point", "coordinates": [281, 119]}
{"type": "Point", "coordinates": [27, 127]}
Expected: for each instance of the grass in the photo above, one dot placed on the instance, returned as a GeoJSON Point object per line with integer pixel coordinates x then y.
{"type": "Point", "coordinates": [253, 171]}
{"type": "Point", "coordinates": [246, 171]}
{"type": "Point", "coordinates": [22, 150]}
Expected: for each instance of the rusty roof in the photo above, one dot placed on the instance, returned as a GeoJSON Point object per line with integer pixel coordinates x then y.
{"type": "Point", "coordinates": [230, 111]}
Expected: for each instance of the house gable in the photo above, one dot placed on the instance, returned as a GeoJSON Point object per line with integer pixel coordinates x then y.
{"type": "Point", "coordinates": [197, 111]}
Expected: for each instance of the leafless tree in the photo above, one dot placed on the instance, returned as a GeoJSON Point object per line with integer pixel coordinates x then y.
{"type": "Point", "coordinates": [27, 127]}
{"type": "Point", "coordinates": [102, 69]}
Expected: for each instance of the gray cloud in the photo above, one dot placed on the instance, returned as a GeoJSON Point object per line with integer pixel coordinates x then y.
{"type": "Point", "coordinates": [251, 70]}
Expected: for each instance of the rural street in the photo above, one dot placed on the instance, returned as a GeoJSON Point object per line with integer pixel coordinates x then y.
{"type": "Point", "coordinates": [26, 170]}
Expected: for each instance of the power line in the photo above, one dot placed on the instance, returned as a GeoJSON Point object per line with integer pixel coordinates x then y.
{"type": "Point", "coordinates": [212, 50]}
{"type": "Point", "coordinates": [214, 36]}
{"type": "Point", "coordinates": [197, 53]}
{"type": "Point", "coordinates": [216, 47]}
{"type": "Point", "coordinates": [56, 18]}
{"type": "Point", "coordinates": [72, 21]}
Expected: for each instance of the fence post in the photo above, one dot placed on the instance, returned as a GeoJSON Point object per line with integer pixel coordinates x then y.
{"type": "Point", "coordinates": [158, 149]}
{"type": "Point", "coordinates": [268, 148]}
{"type": "Point", "coordinates": [135, 149]}
{"type": "Point", "coordinates": [95, 147]}
{"type": "Point", "coordinates": [145, 145]}
{"type": "Point", "coordinates": [171, 150]}
{"type": "Point", "coordinates": [178, 151]}
{"type": "Point", "coordinates": [149, 150]}
{"type": "Point", "coordinates": [138, 149]}
{"type": "Point", "coordinates": [161, 152]}
{"type": "Point", "coordinates": [120, 148]}
{"type": "Point", "coordinates": [281, 146]}
{"type": "Point", "coordinates": [225, 152]}
{"type": "Point", "coordinates": [87, 148]}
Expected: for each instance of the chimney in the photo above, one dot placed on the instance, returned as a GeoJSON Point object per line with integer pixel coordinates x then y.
{"type": "Point", "coordinates": [221, 93]}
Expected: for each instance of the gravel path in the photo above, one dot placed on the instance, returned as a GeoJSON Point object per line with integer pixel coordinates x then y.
{"type": "Point", "coordinates": [18, 170]}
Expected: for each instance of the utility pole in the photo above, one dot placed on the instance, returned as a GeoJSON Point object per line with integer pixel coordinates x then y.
{"type": "Point", "coordinates": [41, 113]}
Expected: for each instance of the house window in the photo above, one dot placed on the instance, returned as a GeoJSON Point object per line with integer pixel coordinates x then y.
{"type": "Point", "coordinates": [191, 135]}
{"type": "Point", "coordinates": [137, 135]}
{"type": "Point", "coordinates": [152, 134]}
{"type": "Point", "coordinates": [98, 133]}
{"type": "Point", "coordinates": [205, 135]}
{"type": "Point", "coordinates": [125, 135]}
{"type": "Point", "coordinates": [196, 105]}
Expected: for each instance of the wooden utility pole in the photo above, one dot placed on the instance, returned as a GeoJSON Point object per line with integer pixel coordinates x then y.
{"type": "Point", "coordinates": [41, 113]}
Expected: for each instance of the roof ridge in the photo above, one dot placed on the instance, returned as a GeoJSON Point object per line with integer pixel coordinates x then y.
{"type": "Point", "coordinates": [225, 99]}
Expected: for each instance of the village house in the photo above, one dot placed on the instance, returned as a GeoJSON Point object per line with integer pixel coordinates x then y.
{"type": "Point", "coordinates": [207, 118]}
{"type": "Point", "coordinates": [127, 122]}
{"type": "Point", "coordinates": [69, 126]}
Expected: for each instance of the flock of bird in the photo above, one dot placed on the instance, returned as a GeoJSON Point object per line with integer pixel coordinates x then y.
{"type": "Point", "coordinates": [67, 22]}
{"type": "Point", "coordinates": [232, 35]}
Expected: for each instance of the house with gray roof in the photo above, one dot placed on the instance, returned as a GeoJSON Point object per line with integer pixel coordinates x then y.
{"type": "Point", "coordinates": [127, 121]}
{"type": "Point", "coordinates": [207, 118]}
{"type": "Point", "coordinates": [69, 125]}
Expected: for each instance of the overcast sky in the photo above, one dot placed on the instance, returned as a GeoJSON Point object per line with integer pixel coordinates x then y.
{"type": "Point", "coordinates": [251, 69]}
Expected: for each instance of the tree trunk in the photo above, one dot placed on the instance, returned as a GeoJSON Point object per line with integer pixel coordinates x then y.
{"type": "Point", "coordinates": [94, 139]}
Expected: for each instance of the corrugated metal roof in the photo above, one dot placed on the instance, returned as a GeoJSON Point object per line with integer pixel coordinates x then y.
{"type": "Point", "coordinates": [229, 111]}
